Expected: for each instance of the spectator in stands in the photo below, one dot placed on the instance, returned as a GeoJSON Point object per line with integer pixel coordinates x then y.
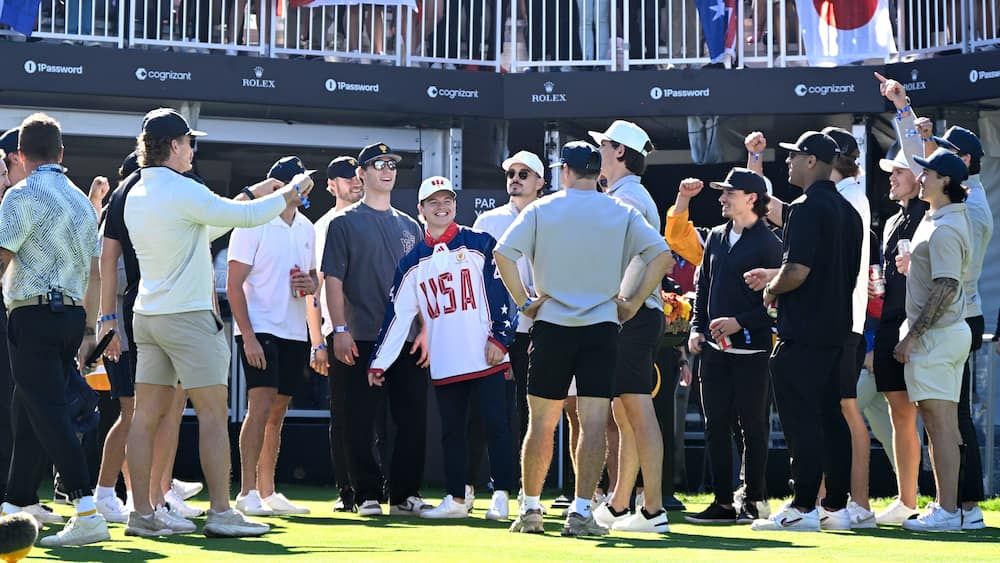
{"type": "Point", "coordinates": [49, 242]}
{"type": "Point", "coordinates": [732, 331]}
{"type": "Point", "coordinates": [272, 269]}
{"type": "Point", "coordinates": [936, 344]}
{"type": "Point", "coordinates": [554, 30]}
{"type": "Point", "coordinates": [345, 186]}
{"type": "Point", "coordinates": [364, 245]}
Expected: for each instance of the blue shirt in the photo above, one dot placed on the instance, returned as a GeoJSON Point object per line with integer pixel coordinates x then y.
{"type": "Point", "coordinates": [51, 228]}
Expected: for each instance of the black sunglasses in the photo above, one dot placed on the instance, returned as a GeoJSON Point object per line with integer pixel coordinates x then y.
{"type": "Point", "coordinates": [194, 142]}
{"type": "Point", "coordinates": [522, 174]}
{"type": "Point", "coordinates": [380, 164]}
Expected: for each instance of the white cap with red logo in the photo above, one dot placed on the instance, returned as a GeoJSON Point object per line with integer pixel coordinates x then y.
{"type": "Point", "coordinates": [432, 185]}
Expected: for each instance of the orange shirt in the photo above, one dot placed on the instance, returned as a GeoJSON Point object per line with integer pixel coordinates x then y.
{"type": "Point", "coordinates": [682, 238]}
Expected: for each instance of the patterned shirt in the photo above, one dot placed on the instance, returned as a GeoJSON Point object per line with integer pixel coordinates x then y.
{"type": "Point", "coordinates": [51, 228]}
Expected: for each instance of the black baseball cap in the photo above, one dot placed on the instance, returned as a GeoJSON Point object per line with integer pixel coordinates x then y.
{"type": "Point", "coordinates": [960, 139]}
{"type": "Point", "coordinates": [846, 142]}
{"type": "Point", "coordinates": [166, 123]}
{"type": "Point", "coordinates": [286, 168]}
{"type": "Point", "coordinates": [8, 141]}
{"type": "Point", "coordinates": [945, 163]}
{"type": "Point", "coordinates": [342, 167]}
{"type": "Point", "coordinates": [376, 150]}
{"type": "Point", "coordinates": [129, 165]}
{"type": "Point", "coordinates": [742, 179]}
{"type": "Point", "coordinates": [814, 143]}
{"type": "Point", "coordinates": [579, 155]}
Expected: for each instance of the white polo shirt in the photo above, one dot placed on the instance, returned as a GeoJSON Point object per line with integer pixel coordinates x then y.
{"type": "Point", "coordinates": [496, 222]}
{"type": "Point", "coordinates": [853, 190]}
{"type": "Point", "coordinates": [273, 250]}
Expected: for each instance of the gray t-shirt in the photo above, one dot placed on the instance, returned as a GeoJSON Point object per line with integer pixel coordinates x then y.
{"type": "Point", "coordinates": [941, 248]}
{"type": "Point", "coordinates": [631, 191]}
{"type": "Point", "coordinates": [363, 249]}
{"type": "Point", "coordinates": [981, 231]}
{"type": "Point", "coordinates": [579, 244]}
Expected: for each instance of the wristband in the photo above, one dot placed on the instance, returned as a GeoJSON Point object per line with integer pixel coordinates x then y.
{"type": "Point", "coordinates": [319, 347]}
{"type": "Point", "coordinates": [106, 318]}
{"type": "Point", "coordinates": [525, 306]}
{"type": "Point", "coordinates": [755, 156]}
{"type": "Point", "coordinates": [902, 111]}
{"type": "Point", "coordinates": [248, 192]}
{"type": "Point", "coordinates": [340, 329]}
{"type": "Point", "coordinates": [303, 200]}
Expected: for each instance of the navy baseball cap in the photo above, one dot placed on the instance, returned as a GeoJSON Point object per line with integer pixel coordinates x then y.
{"type": "Point", "coordinates": [814, 143]}
{"type": "Point", "coordinates": [579, 155]}
{"type": "Point", "coordinates": [287, 168]}
{"type": "Point", "coordinates": [960, 139]}
{"type": "Point", "coordinates": [342, 167]}
{"type": "Point", "coordinates": [742, 179]}
{"type": "Point", "coordinates": [129, 165]}
{"type": "Point", "coordinates": [945, 163]}
{"type": "Point", "coordinates": [376, 150]}
{"type": "Point", "coordinates": [846, 142]}
{"type": "Point", "coordinates": [166, 123]}
{"type": "Point", "coordinates": [8, 141]}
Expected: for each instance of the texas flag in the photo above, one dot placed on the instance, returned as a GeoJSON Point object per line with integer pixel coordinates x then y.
{"type": "Point", "coordinates": [718, 23]}
{"type": "Point", "coordinates": [20, 15]}
{"type": "Point", "coordinates": [837, 32]}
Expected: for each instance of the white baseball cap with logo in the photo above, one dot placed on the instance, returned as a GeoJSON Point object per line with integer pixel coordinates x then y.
{"type": "Point", "coordinates": [528, 159]}
{"type": "Point", "coordinates": [433, 185]}
{"type": "Point", "coordinates": [626, 133]}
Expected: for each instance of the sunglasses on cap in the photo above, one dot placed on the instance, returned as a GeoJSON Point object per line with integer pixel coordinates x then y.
{"type": "Point", "coordinates": [522, 174]}
{"type": "Point", "coordinates": [382, 164]}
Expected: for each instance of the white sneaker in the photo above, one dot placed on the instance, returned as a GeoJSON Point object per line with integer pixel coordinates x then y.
{"type": "Point", "coordinates": [43, 514]}
{"type": "Point", "coordinates": [936, 519]}
{"type": "Point", "coordinates": [604, 517]}
{"type": "Point", "coordinates": [412, 506]}
{"type": "Point", "coordinates": [185, 489]}
{"type": "Point", "coordinates": [177, 523]}
{"type": "Point", "coordinates": [639, 522]}
{"type": "Point", "coordinates": [599, 499]}
{"type": "Point", "coordinates": [470, 497]}
{"type": "Point", "coordinates": [280, 505]}
{"type": "Point", "coordinates": [251, 504]}
{"type": "Point", "coordinates": [896, 513]}
{"type": "Point", "coordinates": [80, 530]}
{"type": "Point", "coordinates": [112, 509]}
{"type": "Point", "coordinates": [232, 524]}
{"type": "Point", "coordinates": [178, 505]}
{"type": "Point", "coordinates": [146, 526]}
{"type": "Point", "coordinates": [500, 506]}
{"type": "Point", "coordinates": [789, 519]}
{"type": "Point", "coordinates": [860, 516]}
{"type": "Point", "coordinates": [447, 509]}
{"type": "Point", "coordinates": [370, 508]}
{"type": "Point", "coordinates": [834, 519]}
{"type": "Point", "coordinates": [972, 519]}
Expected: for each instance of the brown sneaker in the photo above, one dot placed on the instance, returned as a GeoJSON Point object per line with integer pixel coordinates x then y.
{"type": "Point", "coordinates": [530, 522]}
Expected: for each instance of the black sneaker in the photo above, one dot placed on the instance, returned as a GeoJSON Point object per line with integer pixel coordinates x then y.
{"type": "Point", "coordinates": [714, 514]}
{"type": "Point", "coordinates": [748, 513]}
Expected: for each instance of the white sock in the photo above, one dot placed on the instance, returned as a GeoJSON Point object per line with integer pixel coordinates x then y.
{"type": "Point", "coordinates": [581, 506]}
{"type": "Point", "coordinates": [85, 506]}
{"type": "Point", "coordinates": [532, 503]}
{"type": "Point", "coordinates": [104, 492]}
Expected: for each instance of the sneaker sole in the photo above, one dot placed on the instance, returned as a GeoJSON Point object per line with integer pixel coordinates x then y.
{"type": "Point", "coordinates": [867, 525]}
{"type": "Point", "coordinates": [446, 517]}
{"type": "Point", "coordinates": [43, 543]}
{"type": "Point", "coordinates": [370, 512]}
{"type": "Point", "coordinates": [695, 520]}
{"type": "Point", "coordinates": [292, 512]}
{"type": "Point", "coordinates": [657, 530]}
{"type": "Point", "coordinates": [400, 512]}
{"type": "Point", "coordinates": [140, 533]}
{"type": "Point", "coordinates": [584, 534]}
{"type": "Point", "coordinates": [210, 533]}
{"type": "Point", "coordinates": [496, 517]}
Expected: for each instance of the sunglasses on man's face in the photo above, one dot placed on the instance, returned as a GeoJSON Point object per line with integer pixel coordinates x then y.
{"type": "Point", "coordinates": [194, 142]}
{"type": "Point", "coordinates": [522, 174]}
{"type": "Point", "coordinates": [382, 164]}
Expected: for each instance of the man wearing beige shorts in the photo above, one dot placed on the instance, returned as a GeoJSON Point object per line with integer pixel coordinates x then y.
{"type": "Point", "coordinates": [171, 218]}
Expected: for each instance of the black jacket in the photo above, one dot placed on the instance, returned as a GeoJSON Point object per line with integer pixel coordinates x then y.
{"type": "Point", "coordinates": [721, 291]}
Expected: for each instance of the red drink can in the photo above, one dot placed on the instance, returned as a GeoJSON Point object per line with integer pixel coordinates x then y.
{"type": "Point", "coordinates": [725, 343]}
{"type": "Point", "coordinates": [295, 292]}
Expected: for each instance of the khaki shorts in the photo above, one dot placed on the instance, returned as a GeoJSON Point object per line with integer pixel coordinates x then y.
{"type": "Point", "coordinates": [187, 347]}
{"type": "Point", "coordinates": [934, 370]}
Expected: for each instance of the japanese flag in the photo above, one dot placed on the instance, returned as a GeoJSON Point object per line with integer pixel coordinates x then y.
{"type": "Point", "coordinates": [837, 32]}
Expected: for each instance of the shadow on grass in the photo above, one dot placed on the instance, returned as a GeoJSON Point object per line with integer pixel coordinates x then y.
{"type": "Point", "coordinates": [104, 551]}
{"type": "Point", "coordinates": [986, 535]}
{"type": "Point", "coordinates": [691, 541]}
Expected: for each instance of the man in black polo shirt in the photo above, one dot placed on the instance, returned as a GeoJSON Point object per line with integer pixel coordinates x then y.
{"type": "Point", "coordinates": [812, 290]}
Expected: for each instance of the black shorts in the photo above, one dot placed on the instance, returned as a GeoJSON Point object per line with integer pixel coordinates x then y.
{"type": "Point", "coordinates": [850, 366]}
{"type": "Point", "coordinates": [637, 344]}
{"type": "Point", "coordinates": [286, 363]}
{"type": "Point", "coordinates": [888, 372]}
{"type": "Point", "coordinates": [557, 353]}
{"type": "Point", "coordinates": [121, 375]}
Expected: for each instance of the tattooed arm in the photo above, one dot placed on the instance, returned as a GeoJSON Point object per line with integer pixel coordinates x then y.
{"type": "Point", "coordinates": [942, 294]}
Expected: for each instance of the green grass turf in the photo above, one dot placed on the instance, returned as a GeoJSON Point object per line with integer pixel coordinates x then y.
{"type": "Point", "coordinates": [325, 536]}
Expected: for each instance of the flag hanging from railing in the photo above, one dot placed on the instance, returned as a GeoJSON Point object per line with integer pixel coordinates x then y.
{"type": "Point", "coordinates": [20, 15]}
{"type": "Point", "coordinates": [837, 32]}
{"type": "Point", "coordinates": [718, 23]}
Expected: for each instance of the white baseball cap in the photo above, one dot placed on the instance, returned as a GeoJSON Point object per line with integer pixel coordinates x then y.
{"type": "Point", "coordinates": [528, 159]}
{"type": "Point", "coordinates": [626, 133]}
{"type": "Point", "coordinates": [899, 162]}
{"type": "Point", "coordinates": [432, 185]}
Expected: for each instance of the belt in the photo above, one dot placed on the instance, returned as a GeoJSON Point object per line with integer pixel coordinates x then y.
{"type": "Point", "coordinates": [42, 300]}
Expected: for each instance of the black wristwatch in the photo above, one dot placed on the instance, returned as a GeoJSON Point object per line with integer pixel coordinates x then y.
{"type": "Point", "coordinates": [248, 192]}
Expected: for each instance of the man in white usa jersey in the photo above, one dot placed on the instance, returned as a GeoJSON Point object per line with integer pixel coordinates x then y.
{"type": "Point", "coordinates": [450, 279]}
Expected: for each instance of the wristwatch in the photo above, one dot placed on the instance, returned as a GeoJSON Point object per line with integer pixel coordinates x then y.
{"type": "Point", "coordinates": [340, 329]}
{"type": "Point", "coordinates": [248, 192]}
